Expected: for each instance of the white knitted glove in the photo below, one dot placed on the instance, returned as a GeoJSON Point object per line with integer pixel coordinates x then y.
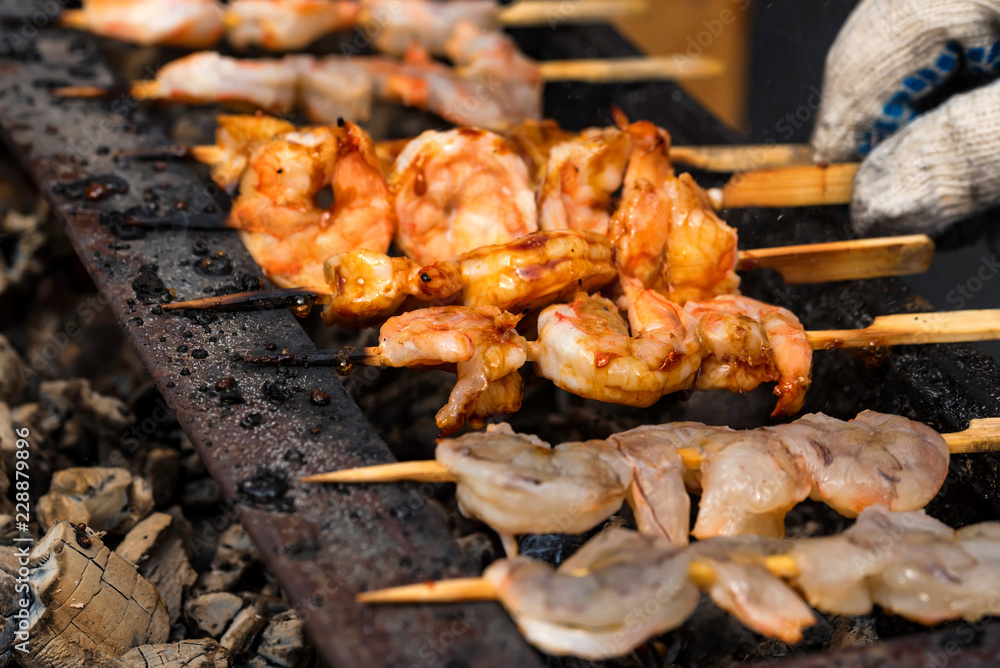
{"type": "Point", "coordinates": [941, 167]}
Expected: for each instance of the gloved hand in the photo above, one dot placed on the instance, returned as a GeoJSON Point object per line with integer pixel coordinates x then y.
{"type": "Point", "coordinates": [918, 175]}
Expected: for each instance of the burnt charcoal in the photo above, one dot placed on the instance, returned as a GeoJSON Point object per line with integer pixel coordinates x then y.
{"type": "Point", "coordinates": [274, 392]}
{"type": "Point", "coordinates": [266, 488]}
{"type": "Point", "coordinates": [149, 287]}
{"type": "Point", "coordinates": [217, 265]}
{"type": "Point", "coordinates": [93, 188]}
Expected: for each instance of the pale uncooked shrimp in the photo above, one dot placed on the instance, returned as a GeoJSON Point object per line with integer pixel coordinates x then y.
{"type": "Point", "coordinates": [286, 230]}
{"type": "Point", "coordinates": [527, 273]}
{"type": "Point", "coordinates": [400, 24]}
{"type": "Point", "coordinates": [597, 604]}
{"type": "Point", "coordinates": [187, 24]}
{"type": "Point", "coordinates": [519, 484]}
{"type": "Point", "coordinates": [749, 481]}
{"type": "Point", "coordinates": [286, 25]}
{"type": "Point", "coordinates": [873, 459]}
{"type": "Point", "coordinates": [460, 190]}
{"type": "Point", "coordinates": [480, 344]}
{"type": "Point", "coordinates": [207, 77]}
{"type": "Point", "coordinates": [747, 342]}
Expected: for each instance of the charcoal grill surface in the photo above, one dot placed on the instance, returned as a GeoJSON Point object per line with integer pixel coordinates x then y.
{"type": "Point", "coordinates": [323, 545]}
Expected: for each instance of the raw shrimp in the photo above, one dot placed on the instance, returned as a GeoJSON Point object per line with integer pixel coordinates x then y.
{"type": "Point", "coordinates": [747, 342]}
{"type": "Point", "coordinates": [286, 25]}
{"type": "Point", "coordinates": [598, 603]}
{"type": "Point", "coordinates": [658, 495]}
{"type": "Point", "coordinates": [582, 175]}
{"type": "Point", "coordinates": [744, 588]}
{"type": "Point", "coordinates": [187, 24]}
{"type": "Point", "coordinates": [749, 481]}
{"type": "Point", "coordinates": [874, 459]}
{"type": "Point", "coordinates": [908, 563]}
{"type": "Point", "coordinates": [584, 347]}
{"type": "Point", "coordinates": [236, 137]}
{"type": "Point", "coordinates": [519, 484]}
{"type": "Point", "coordinates": [286, 231]}
{"type": "Point", "coordinates": [338, 88]}
{"type": "Point", "coordinates": [460, 190]}
{"type": "Point", "coordinates": [207, 77]}
{"type": "Point", "coordinates": [528, 273]}
{"type": "Point", "coordinates": [480, 344]}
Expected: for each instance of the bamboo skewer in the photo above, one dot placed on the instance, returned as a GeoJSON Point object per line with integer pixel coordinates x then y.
{"type": "Point", "coordinates": [814, 185]}
{"type": "Point", "coordinates": [844, 260]}
{"type": "Point", "coordinates": [727, 158]}
{"type": "Point", "coordinates": [629, 70]}
{"type": "Point", "coordinates": [546, 13]}
{"type": "Point", "coordinates": [480, 589]}
{"type": "Point", "coordinates": [914, 329]}
{"type": "Point", "coordinates": [981, 436]}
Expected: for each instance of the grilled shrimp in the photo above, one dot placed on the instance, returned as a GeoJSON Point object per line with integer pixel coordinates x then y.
{"type": "Point", "coordinates": [582, 175]}
{"type": "Point", "coordinates": [584, 347]}
{"type": "Point", "coordinates": [187, 24]}
{"type": "Point", "coordinates": [665, 232]}
{"type": "Point", "coordinates": [235, 139]}
{"type": "Point", "coordinates": [287, 232]}
{"type": "Point", "coordinates": [460, 190]}
{"type": "Point", "coordinates": [528, 273]}
{"type": "Point", "coordinates": [480, 344]}
{"type": "Point", "coordinates": [747, 343]}
{"type": "Point", "coordinates": [286, 25]}
{"type": "Point", "coordinates": [368, 287]}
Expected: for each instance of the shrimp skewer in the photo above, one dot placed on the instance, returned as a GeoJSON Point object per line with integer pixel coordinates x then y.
{"type": "Point", "coordinates": [459, 190]}
{"type": "Point", "coordinates": [748, 480]}
{"type": "Point", "coordinates": [277, 215]}
{"type": "Point", "coordinates": [526, 274]}
{"type": "Point", "coordinates": [289, 25]}
{"type": "Point", "coordinates": [585, 348]}
{"type": "Point", "coordinates": [907, 563]}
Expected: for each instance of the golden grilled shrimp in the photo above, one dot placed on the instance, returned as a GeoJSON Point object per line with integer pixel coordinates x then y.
{"type": "Point", "coordinates": [460, 190]}
{"type": "Point", "coordinates": [584, 347]}
{"type": "Point", "coordinates": [746, 343]}
{"type": "Point", "coordinates": [286, 230]}
{"type": "Point", "coordinates": [237, 136]}
{"type": "Point", "coordinates": [665, 231]}
{"type": "Point", "coordinates": [481, 344]}
{"type": "Point", "coordinates": [529, 273]}
{"type": "Point", "coordinates": [582, 175]}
